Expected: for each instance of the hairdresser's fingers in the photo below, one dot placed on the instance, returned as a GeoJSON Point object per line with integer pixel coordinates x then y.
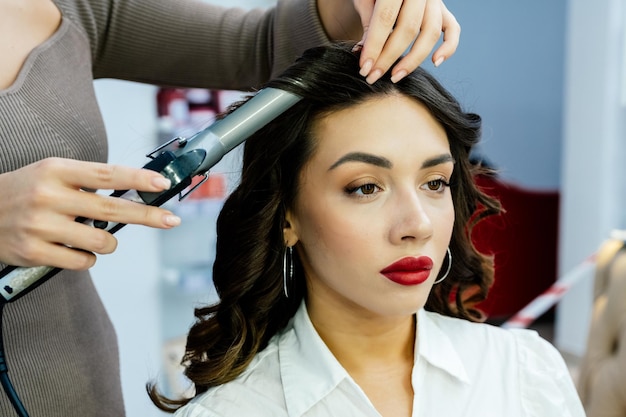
{"type": "Point", "coordinates": [378, 19]}
{"type": "Point", "coordinates": [451, 35]}
{"type": "Point", "coordinates": [416, 19]}
{"type": "Point", "coordinates": [41, 202]}
{"type": "Point", "coordinates": [84, 237]}
{"type": "Point", "coordinates": [46, 236]}
{"type": "Point", "coordinates": [416, 31]}
{"type": "Point", "coordinates": [112, 209]}
{"type": "Point", "coordinates": [44, 253]}
{"type": "Point", "coordinates": [93, 175]}
{"type": "Point", "coordinates": [117, 210]}
{"type": "Point", "coordinates": [68, 258]}
{"type": "Point", "coordinates": [429, 35]}
{"type": "Point", "coordinates": [365, 10]}
{"type": "Point", "coordinates": [39, 237]}
{"type": "Point", "coordinates": [65, 177]}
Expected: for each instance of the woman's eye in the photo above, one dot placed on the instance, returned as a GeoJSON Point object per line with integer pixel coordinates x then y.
{"type": "Point", "coordinates": [437, 185]}
{"type": "Point", "coordinates": [365, 189]}
{"type": "Point", "coordinates": [368, 189]}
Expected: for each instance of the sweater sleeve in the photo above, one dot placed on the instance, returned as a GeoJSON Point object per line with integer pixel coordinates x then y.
{"type": "Point", "coordinates": [546, 384]}
{"type": "Point", "coordinates": [190, 43]}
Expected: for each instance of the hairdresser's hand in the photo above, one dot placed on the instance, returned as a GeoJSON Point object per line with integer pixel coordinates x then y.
{"type": "Point", "coordinates": [39, 204]}
{"type": "Point", "coordinates": [389, 28]}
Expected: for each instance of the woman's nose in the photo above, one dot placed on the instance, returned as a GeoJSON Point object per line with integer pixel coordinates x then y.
{"type": "Point", "coordinates": [410, 221]}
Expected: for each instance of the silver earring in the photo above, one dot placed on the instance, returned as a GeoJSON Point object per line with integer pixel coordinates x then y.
{"type": "Point", "coordinates": [447, 270]}
{"type": "Point", "coordinates": [287, 269]}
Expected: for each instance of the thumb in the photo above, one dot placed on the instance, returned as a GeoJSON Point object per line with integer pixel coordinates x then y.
{"type": "Point", "coordinates": [365, 10]}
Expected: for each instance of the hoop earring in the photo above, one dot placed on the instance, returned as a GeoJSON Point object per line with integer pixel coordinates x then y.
{"type": "Point", "coordinates": [447, 270]}
{"type": "Point", "coordinates": [287, 269]}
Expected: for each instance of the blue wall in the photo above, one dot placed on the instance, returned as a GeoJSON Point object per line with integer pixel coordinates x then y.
{"type": "Point", "coordinates": [509, 69]}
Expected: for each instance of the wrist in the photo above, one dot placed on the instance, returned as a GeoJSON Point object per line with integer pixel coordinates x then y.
{"type": "Point", "coordinates": [340, 19]}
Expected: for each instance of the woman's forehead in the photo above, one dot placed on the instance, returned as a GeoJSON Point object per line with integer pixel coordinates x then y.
{"type": "Point", "coordinates": [379, 125]}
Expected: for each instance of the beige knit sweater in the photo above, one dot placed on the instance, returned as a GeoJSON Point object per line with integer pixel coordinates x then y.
{"type": "Point", "coordinates": [61, 347]}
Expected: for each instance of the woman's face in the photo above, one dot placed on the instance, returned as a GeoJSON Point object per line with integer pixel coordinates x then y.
{"type": "Point", "coordinates": [374, 215]}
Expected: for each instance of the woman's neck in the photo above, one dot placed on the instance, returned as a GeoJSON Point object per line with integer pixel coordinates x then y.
{"type": "Point", "coordinates": [363, 342]}
{"type": "Point", "coordinates": [377, 352]}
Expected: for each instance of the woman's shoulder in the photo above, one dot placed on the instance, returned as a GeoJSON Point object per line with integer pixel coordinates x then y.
{"type": "Point", "coordinates": [466, 331]}
{"type": "Point", "coordinates": [530, 365]}
{"type": "Point", "coordinates": [257, 392]}
{"type": "Point", "coordinates": [527, 345]}
{"type": "Point", "coordinates": [89, 16]}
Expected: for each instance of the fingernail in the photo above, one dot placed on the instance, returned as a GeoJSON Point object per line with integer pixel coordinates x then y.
{"type": "Point", "coordinates": [374, 76]}
{"type": "Point", "coordinates": [398, 76]}
{"type": "Point", "coordinates": [366, 68]}
{"type": "Point", "coordinates": [171, 220]}
{"type": "Point", "coordinates": [357, 47]}
{"type": "Point", "coordinates": [161, 183]}
{"type": "Point", "coordinates": [439, 61]}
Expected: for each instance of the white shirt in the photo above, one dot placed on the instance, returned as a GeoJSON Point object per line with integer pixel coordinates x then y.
{"type": "Point", "coordinates": [461, 369]}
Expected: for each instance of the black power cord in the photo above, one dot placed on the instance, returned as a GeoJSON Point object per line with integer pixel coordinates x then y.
{"type": "Point", "coordinates": [4, 375]}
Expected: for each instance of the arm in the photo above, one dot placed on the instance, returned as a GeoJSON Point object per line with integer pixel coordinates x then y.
{"type": "Point", "coordinates": [192, 43]}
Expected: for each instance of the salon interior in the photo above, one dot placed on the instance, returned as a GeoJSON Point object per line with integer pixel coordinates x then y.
{"type": "Point", "coordinates": [549, 81]}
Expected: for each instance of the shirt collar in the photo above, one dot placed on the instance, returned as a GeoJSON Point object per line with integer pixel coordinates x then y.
{"type": "Point", "coordinates": [306, 362]}
{"type": "Point", "coordinates": [436, 348]}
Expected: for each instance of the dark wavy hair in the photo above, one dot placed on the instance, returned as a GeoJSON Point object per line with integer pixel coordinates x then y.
{"type": "Point", "coordinates": [248, 268]}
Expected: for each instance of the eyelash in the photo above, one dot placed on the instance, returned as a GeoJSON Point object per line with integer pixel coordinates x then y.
{"type": "Point", "coordinates": [441, 185]}
{"type": "Point", "coordinates": [353, 190]}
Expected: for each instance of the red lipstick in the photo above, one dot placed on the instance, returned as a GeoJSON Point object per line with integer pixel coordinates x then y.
{"type": "Point", "coordinates": [409, 271]}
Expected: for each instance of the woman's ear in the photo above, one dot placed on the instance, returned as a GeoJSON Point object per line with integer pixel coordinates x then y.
{"type": "Point", "coordinates": [290, 234]}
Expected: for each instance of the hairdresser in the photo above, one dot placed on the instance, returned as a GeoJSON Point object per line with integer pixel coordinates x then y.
{"type": "Point", "coordinates": [60, 343]}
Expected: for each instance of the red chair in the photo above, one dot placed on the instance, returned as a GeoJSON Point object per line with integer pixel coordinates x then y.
{"type": "Point", "coordinates": [523, 241]}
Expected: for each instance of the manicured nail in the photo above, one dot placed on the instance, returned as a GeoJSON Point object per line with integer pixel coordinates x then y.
{"type": "Point", "coordinates": [357, 47]}
{"type": "Point", "coordinates": [439, 61]}
{"type": "Point", "coordinates": [398, 76]}
{"type": "Point", "coordinates": [161, 183]}
{"type": "Point", "coordinates": [374, 76]}
{"type": "Point", "coordinates": [171, 220]}
{"type": "Point", "coordinates": [366, 68]}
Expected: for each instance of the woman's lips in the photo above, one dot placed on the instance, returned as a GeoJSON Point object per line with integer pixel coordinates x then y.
{"type": "Point", "coordinates": [409, 271]}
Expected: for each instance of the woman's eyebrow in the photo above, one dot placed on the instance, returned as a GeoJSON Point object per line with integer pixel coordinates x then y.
{"type": "Point", "coordinates": [438, 160]}
{"type": "Point", "coordinates": [362, 157]}
{"type": "Point", "coordinates": [385, 163]}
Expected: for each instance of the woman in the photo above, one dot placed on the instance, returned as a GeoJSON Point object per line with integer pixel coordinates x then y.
{"type": "Point", "coordinates": [344, 262]}
{"type": "Point", "coordinates": [61, 346]}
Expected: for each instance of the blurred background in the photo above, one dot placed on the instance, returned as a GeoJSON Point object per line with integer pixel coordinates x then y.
{"type": "Point", "coordinates": [548, 79]}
